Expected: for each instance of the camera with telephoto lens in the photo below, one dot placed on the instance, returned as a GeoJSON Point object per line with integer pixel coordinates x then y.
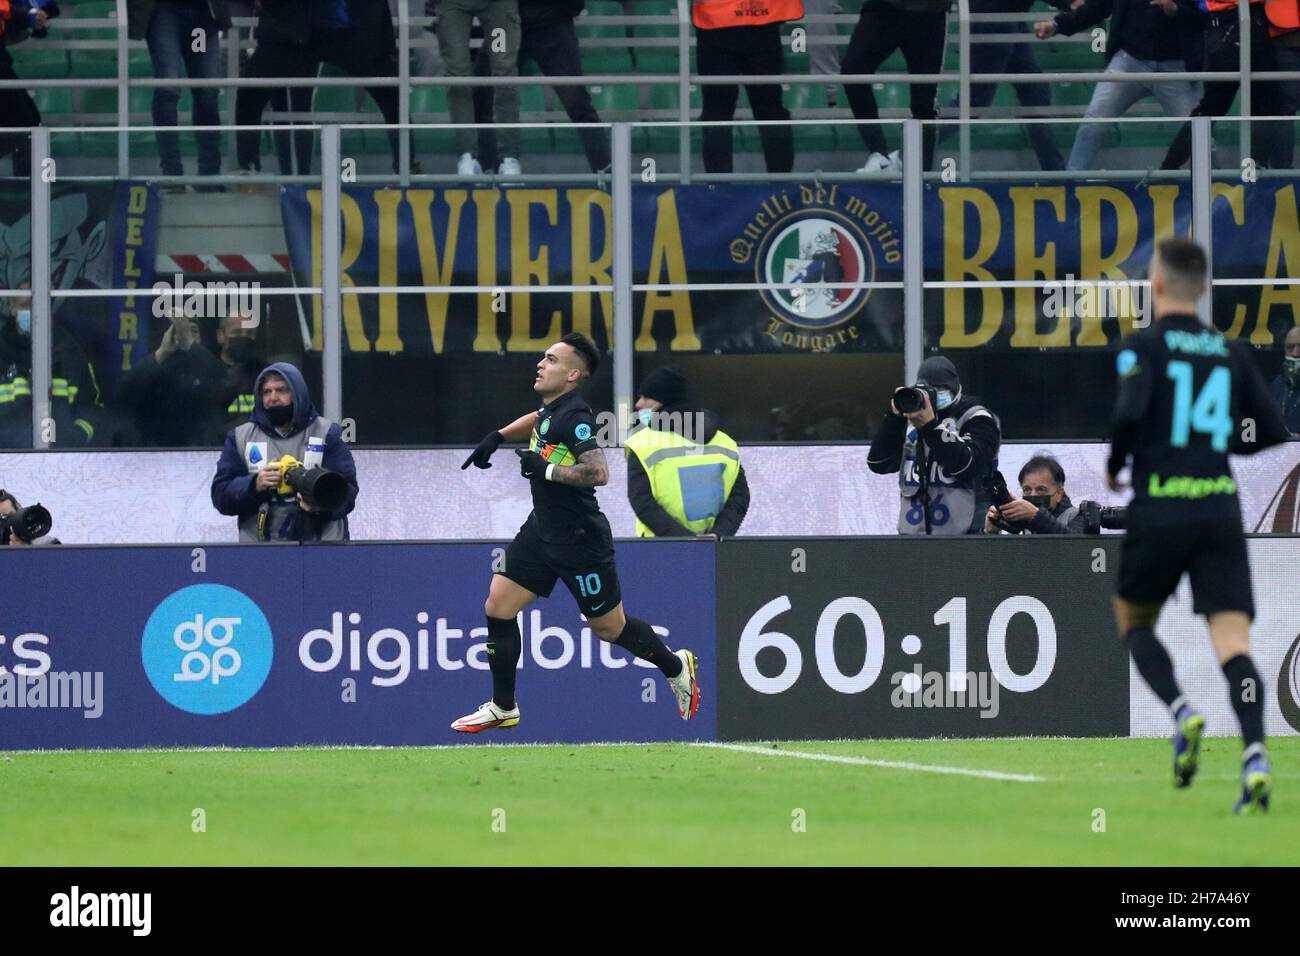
{"type": "Point", "coordinates": [1001, 495]}
{"type": "Point", "coordinates": [1095, 517]}
{"type": "Point", "coordinates": [26, 524]}
{"type": "Point", "coordinates": [911, 398]}
{"type": "Point", "coordinates": [321, 488]}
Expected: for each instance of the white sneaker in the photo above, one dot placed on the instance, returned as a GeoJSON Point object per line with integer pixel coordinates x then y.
{"type": "Point", "coordinates": [685, 687]}
{"type": "Point", "coordinates": [876, 163]}
{"type": "Point", "coordinates": [468, 166]}
{"type": "Point", "coordinates": [509, 167]}
{"type": "Point", "coordinates": [896, 162]}
{"type": "Point", "coordinates": [488, 715]}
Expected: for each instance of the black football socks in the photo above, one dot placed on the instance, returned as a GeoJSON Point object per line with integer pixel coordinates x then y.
{"type": "Point", "coordinates": [639, 638]}
{"type": "Point", "coordinates": [1246, 691]}
{"type": "Point", "coordinates": [503, 647]}
{"type": "Point", "coordinates": [1154, 665]}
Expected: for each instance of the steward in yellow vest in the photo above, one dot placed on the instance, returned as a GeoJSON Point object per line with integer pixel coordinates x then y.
{"type": "Point", "coordinates": [683, 472]}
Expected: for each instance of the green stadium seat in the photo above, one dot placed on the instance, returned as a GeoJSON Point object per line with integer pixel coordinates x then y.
{"type": "Point", "coordinates": [532, 109]}
{"type": "Point", "coordinates": [613, 55]}
{"type": "Point", "coordinates": [429, 105]}
{"type": "Point", "coordinates": [808, 101]}
{"type": "Point", "coordinates": [657, 59]}
{"type": "Point", "coordinates": [34, 61]}
{"type": "Point", "coordinates": [98, 62]}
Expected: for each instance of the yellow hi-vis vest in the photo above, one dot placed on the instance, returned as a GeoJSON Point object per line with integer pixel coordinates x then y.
{"type": "Point", "coordinates": [690, 481]}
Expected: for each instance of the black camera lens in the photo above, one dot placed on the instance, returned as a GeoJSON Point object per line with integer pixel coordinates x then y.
{"type": "Point", "coordinates": [909, 399]}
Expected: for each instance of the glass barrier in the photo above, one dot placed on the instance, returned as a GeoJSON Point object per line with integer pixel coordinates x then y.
{"type": "Point", "coordinates": [15, 295]}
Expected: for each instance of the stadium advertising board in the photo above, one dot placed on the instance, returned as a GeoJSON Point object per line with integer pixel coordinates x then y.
{"type": "Point", "coordinates": [822, 638]}
{"type": "Point", "coordinates": [812, 235]}
{"type": "Point", "coordinates": [354, 644]}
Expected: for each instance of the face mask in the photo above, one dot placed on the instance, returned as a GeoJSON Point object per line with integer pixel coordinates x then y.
{"type": "Point", "coordinates": [945, 399]}
{"type": "Point", "coordinates": [645, 416]}
{"type": "Point", "coordinates": [24, 320]}
{"type": "Point", "coordinates": [1291, 368]}
{"type": "Point", "coordinates": [280, 415]}
{"type": "Point", "coordinates": [1040, 501]}
{"type": "Point", "coordinates": [240, 349]}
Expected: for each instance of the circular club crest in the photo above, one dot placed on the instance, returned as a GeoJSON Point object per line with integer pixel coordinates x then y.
{"type": "Point", "coordinates": [1288, 686]}
{"type": "Point", "coordinates": [814, 248]}
{"type": "Point", "coordinates": [546, 426]}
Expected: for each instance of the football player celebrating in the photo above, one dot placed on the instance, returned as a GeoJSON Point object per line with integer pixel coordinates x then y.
{"type": "Point", "coordinates": [565, 537]}
{"type": "Point", "coordinates": [1187, 397]}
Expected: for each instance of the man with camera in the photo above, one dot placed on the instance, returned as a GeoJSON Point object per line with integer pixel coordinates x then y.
{"type": "Point", "coordinates": [1044, 507]}
{"type": "Point", "coordinates": [19, 525]}
{"type": "Point", "coordinates": [944, 447]}
{"type": "Point", "coordinates": [287, 473]}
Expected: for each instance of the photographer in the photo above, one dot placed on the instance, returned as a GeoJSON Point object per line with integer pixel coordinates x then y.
{"type": "Point", "coordinates": [1045, 508]}
{"type": "Point", "coordinates": [275, 503]}
{"type": "Point", "coordinates": [943, 463]}
{"type": "Point", "coordinates": [20, 526]}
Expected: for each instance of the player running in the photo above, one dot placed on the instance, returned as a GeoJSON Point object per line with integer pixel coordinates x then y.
{"type": "Point", "coordinates": [1188, 396]}
{"type": "Point", "coordinates": [565, 537]}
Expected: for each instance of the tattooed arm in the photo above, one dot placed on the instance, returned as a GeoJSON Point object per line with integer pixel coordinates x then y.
{"type": "Point", "coordinates": [591, 471]}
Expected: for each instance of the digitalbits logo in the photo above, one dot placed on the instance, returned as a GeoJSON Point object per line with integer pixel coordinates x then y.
{"type": "Point", "coordinates": [207, 649]}
{"type": "Point", "coordinates": [1288, 686]}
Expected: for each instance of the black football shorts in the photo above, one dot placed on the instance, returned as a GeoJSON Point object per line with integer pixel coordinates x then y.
{"type": "Point", "coordinates": [1212, 553]}
{"type": "Point", "coordinates": [586, 567]}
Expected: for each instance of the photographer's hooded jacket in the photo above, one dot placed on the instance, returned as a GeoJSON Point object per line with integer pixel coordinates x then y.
{"type": "Point", "coordinates": [958, 450]}
{"type": "Point", "coordinates": [257, 442]}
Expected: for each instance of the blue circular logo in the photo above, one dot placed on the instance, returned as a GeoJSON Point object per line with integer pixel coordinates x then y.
{"type": "Point", "coordinates": [207, 649]}
{"type": "Point", "coordinates": [582, 432]}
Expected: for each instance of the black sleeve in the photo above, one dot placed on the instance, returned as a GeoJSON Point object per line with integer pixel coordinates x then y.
{"type": "Point", "coordinates": [972, 452]}
{"type": "Point", "coordinates": [1047, 523]}
{"type": "Point", "coordinates": [1070, 22]}
{"type": "Point", "coordinates": [643, 502]}
{"type": "Point", "coordinates": [1134, 364]}
{"type": "Point", "coordinates": [580, 433]}
{"type": "Point", "coordinates": [885, 456]}
{"type": "Point", "coordinates": [1256, 405]}
{"type": "Point", "coordinates": [737, 506]}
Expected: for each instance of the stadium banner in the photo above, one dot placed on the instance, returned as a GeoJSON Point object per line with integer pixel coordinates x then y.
{"type": "Point", "coordinates": [1274, 645]}
{"type": "Point", "coordinates": [102, 236]}
{"type": "Point", "coordinates": [821, 638]}
{"type": "Point", "coordinates": [811, 234]}
{"type": "Point", "coordinates": [352, 644]}
{"type": "Point", "coordinates": [797, 490]}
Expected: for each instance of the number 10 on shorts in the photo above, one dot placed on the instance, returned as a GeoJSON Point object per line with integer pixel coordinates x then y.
{"type": "Point", "coordinates": [589, 584]}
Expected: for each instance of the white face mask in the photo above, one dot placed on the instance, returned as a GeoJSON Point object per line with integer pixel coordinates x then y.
{"type": "Point", "coordinates": [945, 399]}
{"type": "Point", "coordinates": [24, 320]}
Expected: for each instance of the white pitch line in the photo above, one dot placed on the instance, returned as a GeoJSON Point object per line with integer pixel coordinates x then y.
{"type": "Point", "coordinates": [889, 764]}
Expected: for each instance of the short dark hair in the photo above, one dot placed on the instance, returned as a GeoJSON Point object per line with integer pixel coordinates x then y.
{"type": "Point", "coordinates": [1043, 463]}
{"type": "Point", "coordinates": [582, 345]}
{"type": "Point", "coordinates": [8, 496]}
{"type": "Point", "coordinates": [1184, 264]}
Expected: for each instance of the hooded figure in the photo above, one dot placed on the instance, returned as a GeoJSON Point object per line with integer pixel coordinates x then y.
{"type": "Point", "coordinates": [274, 431]}
{"type": "Point", "coordinates": [943, 457]}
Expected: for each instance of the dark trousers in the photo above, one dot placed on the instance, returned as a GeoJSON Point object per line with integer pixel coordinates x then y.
{"type": "Point", "coordinates": [749, 51]}
{"type": "Point", "coordinates": [299, 146]}
{"type": "Point", "coordinates": [881, 29]}
{"type": "Point", "coordinates": [1013, 58]}
{"type": "Point", "coordinates": [17, 109]}
{"type": "Point", "coordinates": [555, 51]}
{"type": "Point", "coordinates": [274, 59]}
{"type": "Point", "coordinates": [1222, 53]}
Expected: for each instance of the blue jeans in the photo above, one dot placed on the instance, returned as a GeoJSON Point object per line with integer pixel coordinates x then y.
{"type": "Point", "coordinates": [1176, 97]}
{"type": "Point", "coordinates": [1013, 58]}
{"type": "Point", "coordinates": [171, 44]}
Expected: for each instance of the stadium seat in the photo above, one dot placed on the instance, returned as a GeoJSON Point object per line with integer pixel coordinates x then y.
{"type": "Point", "coordinates": [34, 61]}
{"type": "Point", "coordinates": [660, 58]}
{"type": "Point", "coordinates": [96, 62]}
{"type": "Point", "coordinates": [613, 55]}
{"type": "Point", "coordinates": [808, 101]}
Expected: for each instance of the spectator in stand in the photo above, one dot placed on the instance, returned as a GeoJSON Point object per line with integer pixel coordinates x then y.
{"type": "Point", "coordinates": [1284, 27]}
{"type": "Point", "coordinates": [294, 37]}
{"type": "Point", "coordinates": [243, 362]}
{"type": "Point", "coordinates": [823, 53]}
{"type": "Point", "coordinates": [1012, 58]}
{"type": "Point", "coordinates": [734, 39]}
{"type": "Point", "coordinates": [172, 391]}
{"type": "Point", "coordinates": [549, 39]}
{"type": "Point", "coordinates": [18, 19]}
{"type": "Point", "coordinates": [1145, 36]}
{"type": "Point", "coordinates": [501, 39]}
{"type": "Point", "coordinates": [183, 33]}
{"type": "Point", "coordinates": [920, 29]}
{"type": "Point", "coordinates": [1286, 387]}
{"type": "Point", "coordinates": [1222, 45]}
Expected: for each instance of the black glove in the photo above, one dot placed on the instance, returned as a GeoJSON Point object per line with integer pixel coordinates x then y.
{"type": "Point", "coordinates": [531, 464]}
{"type": "Point", "coordinates": [483, 451]}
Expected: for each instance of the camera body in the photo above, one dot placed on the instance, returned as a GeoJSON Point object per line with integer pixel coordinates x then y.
{"type": "Point", "coordinates": [321, 488]}
{"type": "Point", "coordinates": [1001, 495]}
{"type": "Point", "coordinates": [911, 398]}
{"type": "Point", "coordinates": [1095, 517]}
{"type": "Point", "coordinates": [26, 524]}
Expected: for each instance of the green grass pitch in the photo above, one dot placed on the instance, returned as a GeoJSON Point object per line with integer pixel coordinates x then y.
{"type": "Point", "coordinates": [657, 804]}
